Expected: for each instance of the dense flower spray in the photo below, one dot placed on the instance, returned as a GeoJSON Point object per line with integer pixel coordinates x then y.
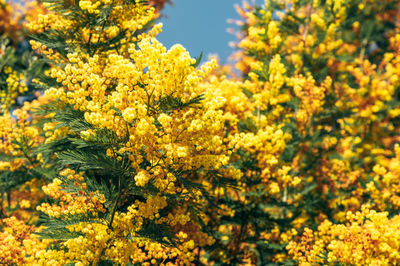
{"type": "Point", "coordinates": [139, 154]}
{"type": "Point", "coordinates": [150, 130]}
{"type": "Point", "coordinates": [327, 70]}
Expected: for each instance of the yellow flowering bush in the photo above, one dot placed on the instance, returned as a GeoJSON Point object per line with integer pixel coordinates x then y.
{"type": "Point", "coordinates": [321, 75]}
{"type": "Point", "coordinates": [139, 154]}
{"type": "Point", "coordinates": [136, 111]}
{"type": "Point", "coordinates": [19, 162]}
{"type": "Point", "coordinates": [18, 64]}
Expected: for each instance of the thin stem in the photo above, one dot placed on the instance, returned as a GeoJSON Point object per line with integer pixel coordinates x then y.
{"type": "Point", "coordinates": [116, 203]}
{"type": "Point", "coordinates": [2, 212]}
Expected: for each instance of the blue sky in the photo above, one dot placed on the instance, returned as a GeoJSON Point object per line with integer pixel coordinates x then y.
{"type": "Point", "coordinates": [200, 26]}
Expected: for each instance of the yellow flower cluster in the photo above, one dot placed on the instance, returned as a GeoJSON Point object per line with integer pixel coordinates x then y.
{"type": "Point", "coordinates": [13, 15]}
{"type": "Point", "coordinates": [130, 19]}
{"type": "Point", "coordinates": [23, 200]}
{"type": "Point", "coordinates": [18, 138]}
{"type": "Point", "coordinates": [53, 131]}
{"type": "Point", "coordinates": [260, 134]}
{"type": "Point", "coordinates": [16, 85]}
{"type": "Point", "coordinates": [18, 244]}
{"type": "Point", "coordinates": [384, 189]}
{"type": "Point", "coordinates": [367, 238]}
{"type": "Point", "coordinates": [187, 138]}
{"type": "Point", "coordinates": [44, 22]}
{"type": "Point", "coordinates": [119, 241]}
{"type": "Point", "coordinates": [72, 203]}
